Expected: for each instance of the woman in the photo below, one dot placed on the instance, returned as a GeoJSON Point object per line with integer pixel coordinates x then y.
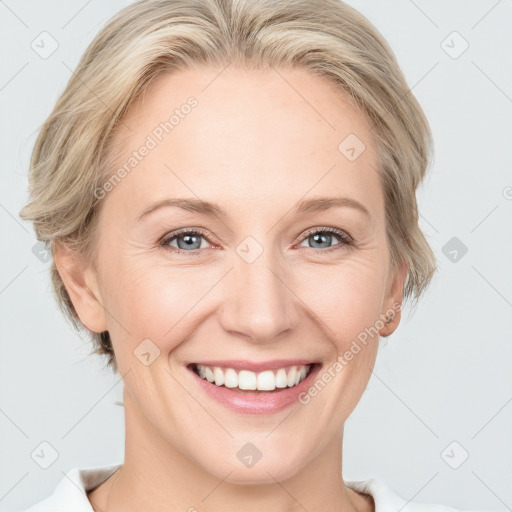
{"type": "Point", "coordinates": [228, 188]}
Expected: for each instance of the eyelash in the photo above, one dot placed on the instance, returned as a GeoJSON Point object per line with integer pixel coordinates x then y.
{"type": "Point", "coordinates": [346, 240]}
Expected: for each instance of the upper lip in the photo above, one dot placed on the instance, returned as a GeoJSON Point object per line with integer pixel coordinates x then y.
{"type": "Point", "coordinates": [241, 364]}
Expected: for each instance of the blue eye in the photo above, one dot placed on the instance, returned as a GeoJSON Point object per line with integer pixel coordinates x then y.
{"type": "Point", "coordinates": [190, 240]}
{"type": "Point", "coordinates": [324, 236]}
{"type": "Point", "coordinates": [187, 241]}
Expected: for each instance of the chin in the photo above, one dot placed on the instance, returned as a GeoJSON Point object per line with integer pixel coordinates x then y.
{"type": "Point", "coordinates": [274, 462]}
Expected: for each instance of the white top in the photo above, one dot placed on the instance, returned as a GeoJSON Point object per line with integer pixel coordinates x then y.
{"type": "Point", "coordinates": [70, 494]}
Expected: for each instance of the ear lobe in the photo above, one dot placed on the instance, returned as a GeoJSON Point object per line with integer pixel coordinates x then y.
{"type": "Point", "coordinates": [394, 297]}
{"type": "Point", "coordinates": [82, 286]}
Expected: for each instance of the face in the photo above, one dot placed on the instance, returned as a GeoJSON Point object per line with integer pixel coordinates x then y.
{"type": "Point", "coordinates": [215, 250]}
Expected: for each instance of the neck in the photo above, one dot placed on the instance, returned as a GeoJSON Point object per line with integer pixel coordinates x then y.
{"type": "Point", "coordinates": [156, 476]}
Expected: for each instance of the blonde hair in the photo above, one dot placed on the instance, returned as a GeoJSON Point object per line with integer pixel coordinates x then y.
{"type": "Point", "coordinates": [71, 157]}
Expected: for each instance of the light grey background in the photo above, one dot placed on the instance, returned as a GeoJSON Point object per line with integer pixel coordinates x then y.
{"type": "Point", "coordinates": [444, 376]}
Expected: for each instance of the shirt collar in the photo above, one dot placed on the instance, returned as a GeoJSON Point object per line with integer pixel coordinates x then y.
{"type": "Point", "coordinates": [72, 489]}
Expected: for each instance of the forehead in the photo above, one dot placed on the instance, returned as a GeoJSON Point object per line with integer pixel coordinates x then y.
{"type": "Point", "coordinates": [250, 136]}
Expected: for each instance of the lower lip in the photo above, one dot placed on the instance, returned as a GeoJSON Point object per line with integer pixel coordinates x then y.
{"type": "Point", "coordinates": [262, 402]}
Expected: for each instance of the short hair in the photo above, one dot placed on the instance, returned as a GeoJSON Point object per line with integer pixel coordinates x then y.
{"type": "Point", "coordinates": [329, 38]}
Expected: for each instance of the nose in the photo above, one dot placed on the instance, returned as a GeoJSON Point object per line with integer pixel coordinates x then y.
{"type": "Point", "coordinates": [259, 302]}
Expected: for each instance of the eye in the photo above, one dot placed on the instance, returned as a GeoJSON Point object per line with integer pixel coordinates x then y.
{"type": "Point", "coordinates": [187, 240]}
{"type": "Point", "coordinates": [191, 240]}
{"type": "Point", "coordinates": [322, 238]}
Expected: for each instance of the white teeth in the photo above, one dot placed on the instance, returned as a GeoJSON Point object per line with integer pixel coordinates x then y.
{"type": "Point", "coordinates": [246, 380]}
{"type": "Point", "coordinates": [291, 376]}
{"type": "Point", "coordinates": [219, 376]}
{"type": "Point", "coordinates": [281, 380]}
{"type": "Point", "coordinates": [230, 378]}
{"type": "Point", "coordinates": [267, 380]}
{"type": "Point", "coordinates": [209, 374]}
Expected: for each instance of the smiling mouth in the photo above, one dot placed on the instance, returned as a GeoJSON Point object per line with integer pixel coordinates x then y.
{"type": "Point", "coordinates": [249, 382]}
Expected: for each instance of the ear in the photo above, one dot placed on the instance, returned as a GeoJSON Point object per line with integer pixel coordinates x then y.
{"type": "Point", "coordinates": [81, 284]}
{"type": "Point", "coordinates": [394, 295]}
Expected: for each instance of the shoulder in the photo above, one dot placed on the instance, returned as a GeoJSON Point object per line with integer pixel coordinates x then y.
{"type": "Point", "coordinates": [72, 488]}
{"type": "Point", "coordinates": [387, 500]}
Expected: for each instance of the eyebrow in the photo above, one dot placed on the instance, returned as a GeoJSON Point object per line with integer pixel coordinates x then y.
{"type": "Point", "coordinates": [318, 204]}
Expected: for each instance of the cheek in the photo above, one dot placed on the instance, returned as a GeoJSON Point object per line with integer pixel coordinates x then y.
{"type": "Point", "coordinates": [155, 301]}
{"type": "Point", "coordinates": [347, 301]}
{"type": "Point", "coordinates": [347, 297]}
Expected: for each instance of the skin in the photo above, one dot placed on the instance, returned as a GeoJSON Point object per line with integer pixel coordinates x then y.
{"type": "Point", "coordinates": [257, 143]}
